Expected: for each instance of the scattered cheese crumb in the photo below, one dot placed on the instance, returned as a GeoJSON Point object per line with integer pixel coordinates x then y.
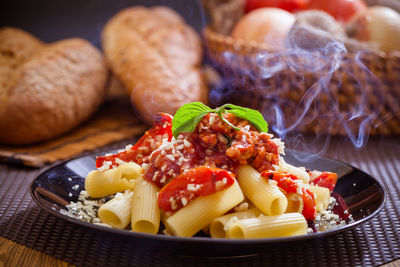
{"type": "Point", "coordinates": [272, 182]}
{"type": "Point", "coordinates": [220, 184]}
{"type": "Point", "coordinates": [186, 143]}
{"type": "Point", "coordinates": [281, 145]}
{"type": "Point", "coordinates": [184, 201]}
{"type": "Point", "coordinates": [242, 207]}
{"type": "Point", "coordinates": [120, 161]}
{"type": "Point", "coordinates": [191, 187]}
{"type": "Point", "coordinates": [85, 208]}
{"type": "Point", "coordinates": [106, 166]}
{"type": "Point", "coordinates": [173, 203]}
{"type": "Point", "coordinates": [230, 222]}
{"type": "Point", "coordinates": [169, 156]}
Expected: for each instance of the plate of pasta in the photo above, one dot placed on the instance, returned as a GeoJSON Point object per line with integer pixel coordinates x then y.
{"type": "Point", "coordinates": [205, 178]}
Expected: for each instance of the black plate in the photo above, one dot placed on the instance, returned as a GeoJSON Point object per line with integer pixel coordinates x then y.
{"type": "Point", "coordinates": [363, 195]}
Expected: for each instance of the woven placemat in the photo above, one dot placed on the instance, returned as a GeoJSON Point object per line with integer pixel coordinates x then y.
{"type": "Point", "coordinates": [374, 243]}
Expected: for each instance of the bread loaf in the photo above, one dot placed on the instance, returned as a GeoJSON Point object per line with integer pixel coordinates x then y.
{"type": "Point", "coordinates": [46, 90]}
{"type": "Point", "coordinates": [157, 57]}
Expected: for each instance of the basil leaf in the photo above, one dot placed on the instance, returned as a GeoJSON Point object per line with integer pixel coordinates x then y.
{"type": "Point", "coordinates": [251, 115]}
{"type": "Point", "coordinates": [188, 116]}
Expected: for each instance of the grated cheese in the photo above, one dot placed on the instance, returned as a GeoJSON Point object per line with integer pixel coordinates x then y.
{"type": "Point", "coordinates": [120, 161]}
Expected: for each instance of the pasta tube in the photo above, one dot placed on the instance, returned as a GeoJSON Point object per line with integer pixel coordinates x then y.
{"type": "Point", "coordinates": [145, 210]}
{"type": "Point", "coordinates": [288, 224]}
{"type": "Point", "coordinates": [296, 171]}
{"type": "Point", "coordinates": [219, 225]}
{"type": "Point", "coordinates": [201, 211]}
{"type": "Point", "coordinates": [108, 182]}
{"type": "Point", "coordinates": [295, 203]}
{"type": "Point", "coordinates": [268, 198]}
{"type": "Point", "coordinates": [117, 211]}
{"type": "Point", "coordinates": [322, 196]}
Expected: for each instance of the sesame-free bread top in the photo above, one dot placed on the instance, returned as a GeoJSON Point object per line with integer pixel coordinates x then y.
{"type": "Point", "coordinates": [46, 89]}
{"type": "Point", "coordinates": [157, 56]}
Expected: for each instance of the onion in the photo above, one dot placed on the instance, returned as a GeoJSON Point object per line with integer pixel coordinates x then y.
{"type": "Point", "coordinates": [265, 25]}
{"type": "Point", "coordinates": [377, 24]}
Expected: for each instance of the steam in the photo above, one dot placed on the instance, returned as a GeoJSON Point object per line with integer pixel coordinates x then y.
{"type": "Point", "coordinates": [326, 61]}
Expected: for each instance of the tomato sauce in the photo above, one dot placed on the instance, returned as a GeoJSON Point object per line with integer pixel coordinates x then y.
{"type": "Point", "coordinates": [140, 152]}
{"type": "Point", "coordinates": [200, 181]}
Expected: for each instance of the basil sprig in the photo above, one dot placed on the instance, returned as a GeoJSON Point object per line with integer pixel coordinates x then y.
{"type": "Point", "coordinates": [189, 115]}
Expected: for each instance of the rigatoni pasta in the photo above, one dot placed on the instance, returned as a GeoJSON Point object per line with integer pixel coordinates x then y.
{"type": "Point", "coordinates": [200, 212]}
{"type": "Point", "coordinates": [105, 183]}
{"type": "Point", "coordinates": [267, 197]}
{"type": "Point", "coordinates": [288, 224]}
{"type": "Point", "coordinates": [297, 171]}
{"type": "Point", "coordinates": [117, 211]}
{"type": "Point", "coordinates": [220, 225]}
{"type": "Point", "coordinates": [145, 211]}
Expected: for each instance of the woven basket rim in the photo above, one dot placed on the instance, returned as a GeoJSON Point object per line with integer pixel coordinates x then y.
{"type": "Point", "coordinates": [240, 45]}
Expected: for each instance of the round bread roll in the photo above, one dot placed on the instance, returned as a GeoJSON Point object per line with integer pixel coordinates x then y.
{"type": "Point", "coordinates": [157, 57]}
{"type": "Point", "coordinates": [46, 90]}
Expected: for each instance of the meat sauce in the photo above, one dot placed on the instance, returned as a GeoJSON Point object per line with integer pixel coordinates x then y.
{"type": "Point", "coordinates": [215, 144]}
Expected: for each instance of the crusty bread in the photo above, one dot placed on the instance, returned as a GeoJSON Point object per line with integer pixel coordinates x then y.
{"type": "Point", "coordinates": [46, 90]}
{"type": "Point", "coordinates": [157, 57]}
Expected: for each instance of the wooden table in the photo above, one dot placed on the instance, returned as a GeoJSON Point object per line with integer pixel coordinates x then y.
{"type": "Point", "coordinates": [13, 254]}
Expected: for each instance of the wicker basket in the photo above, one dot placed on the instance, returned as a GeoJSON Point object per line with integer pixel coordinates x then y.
{"type": "Point", "coordinates": [362, 95]}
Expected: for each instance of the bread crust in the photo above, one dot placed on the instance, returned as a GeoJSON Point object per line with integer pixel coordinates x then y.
{"type": "Point", "coordinates": [55, 88]}
{"type": "Point", "coordinates": [157, 57]}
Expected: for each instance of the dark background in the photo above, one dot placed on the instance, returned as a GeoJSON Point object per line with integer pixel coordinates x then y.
{"type": "Point", "coordinates": [52, 20]}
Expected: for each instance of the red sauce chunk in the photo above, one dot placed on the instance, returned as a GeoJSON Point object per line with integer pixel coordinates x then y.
{"type": "Point", "coordinates": [140, 152]}
{"type": "Point", "coordinates": [292, 184]}
{"type": "Point", "coordinates": [323, 179]}
{"type": "Point", "coordinates": [200, 181]}
{"type": "Point", "coordinates": [340, 208]}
